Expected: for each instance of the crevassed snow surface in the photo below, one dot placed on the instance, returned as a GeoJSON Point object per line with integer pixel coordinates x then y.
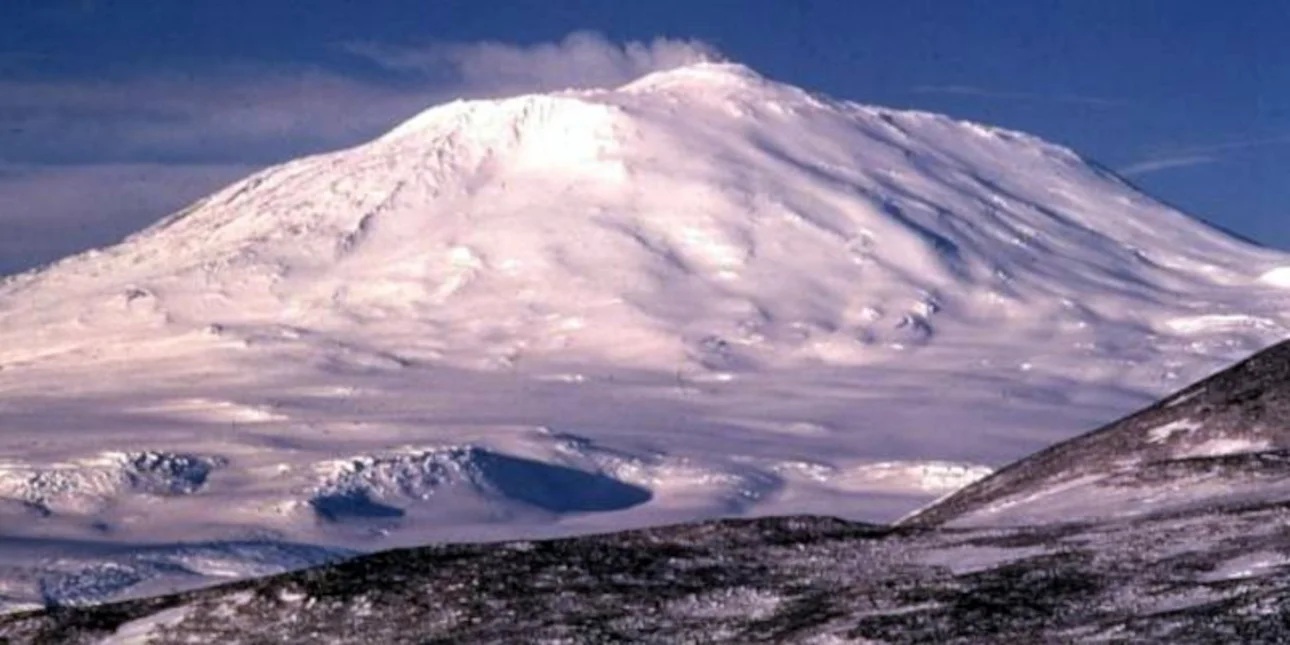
{"type": "Point", "coordinates": [703, 293]}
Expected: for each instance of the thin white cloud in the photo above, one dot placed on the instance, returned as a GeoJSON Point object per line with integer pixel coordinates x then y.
{"type": "Point", "coordinates": [1240, 144]}
{"type": "Point", "coordinates": [1197, 155]}
{"type": "Point", "coordinates": [980, 92]}
{"type": "Point", "coordinates": [245, 111]}
{"type": "Point", "coordinates": [84, 161]}
{"type": "Point", "coordinates": [1149, 166]}
{"type": "Point", "coordinates": [580, 60]}
{"type": "Point", "coordinates": [230, 114]}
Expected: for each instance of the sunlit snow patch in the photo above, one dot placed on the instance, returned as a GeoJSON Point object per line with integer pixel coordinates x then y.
{"type": "Point", "coordinates": [1222, 323]}
{"type": "Point", "coordinates": [1221, 446]}
{"type": "Point", "coordinates": [965, 558]}
{"type": "Point", "coordinates": [1165, 432]}
{"type": "Point", "coordinates": [85, 485]}
{"type": "Point", "coordinates": [212, 410]}
{"type": "Point", "coordinates": [932, 477]}
{"type": "Point", "coordinates": [1278, 277]}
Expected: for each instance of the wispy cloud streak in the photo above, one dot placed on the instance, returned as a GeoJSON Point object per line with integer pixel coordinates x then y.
{"type": "Point", "coordinates": [1003, 95]}
{"type": "Point", "coordinates": [1148, 166]}
{"type": "Point", "coordinates": [84, 160]}
{"type": "Point", "coordinates": [1197, 155]}
{"type": "Point", "coordinates": [580, 60]}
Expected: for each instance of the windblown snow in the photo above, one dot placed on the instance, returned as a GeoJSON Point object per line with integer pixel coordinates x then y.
{"type": "Point", "coordinates": [703, 293]}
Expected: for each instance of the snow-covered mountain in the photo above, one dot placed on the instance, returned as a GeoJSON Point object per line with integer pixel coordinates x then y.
{"type": "Point", "coordinates": [699, 217]}
{"type": "Point", "coordinates": [703, 293]}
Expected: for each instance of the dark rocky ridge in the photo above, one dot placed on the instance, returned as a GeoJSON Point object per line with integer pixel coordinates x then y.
{"type": "Point", "coordinates": [1244, 410]}
{"type": "Point", "coordinates": [772, 580]}
{"type": "Point", "coordinates": [1215, 569]}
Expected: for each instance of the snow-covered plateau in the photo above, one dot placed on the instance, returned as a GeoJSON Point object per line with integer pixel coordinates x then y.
{"type": "Point", "coordinates": [701, 294]}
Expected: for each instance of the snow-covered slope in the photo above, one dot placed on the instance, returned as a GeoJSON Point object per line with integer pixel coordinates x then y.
{"type": "Point", "coordinates": [1223, 443]}
{"type": "Point", "coordinates": [703, 293]}
{"type": "Point", "coordinates": [1167, 526]}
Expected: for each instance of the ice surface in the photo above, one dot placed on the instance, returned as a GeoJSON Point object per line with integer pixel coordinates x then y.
{"type": "Point", "coordinates": [704, 293]}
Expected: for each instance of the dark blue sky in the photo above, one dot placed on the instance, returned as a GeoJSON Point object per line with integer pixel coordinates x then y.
{"type": "Point", "coordinates": [113, 112]}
